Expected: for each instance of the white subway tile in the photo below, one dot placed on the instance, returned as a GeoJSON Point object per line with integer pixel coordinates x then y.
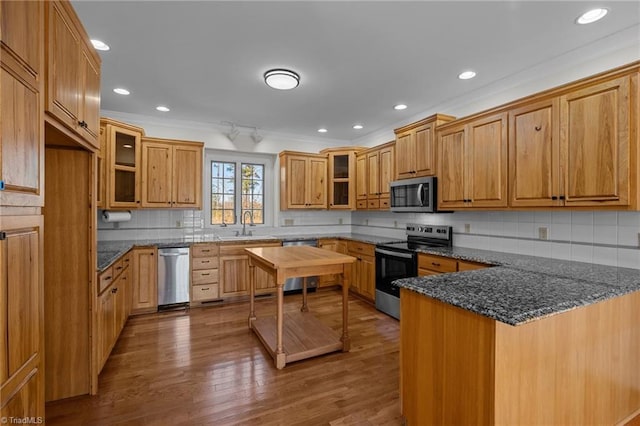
{"type": "Point", "coordinates": [510, 229]}
{"type": "Point", "coordinates": [526, 217]}
{"type": "Point", "coordinates": [543, 216]}
{"type": "Point", "coordinates": [605, 255]}
{"type": "Point", "coordinates": [605, 234]}
{"type": "Point", "coordinates": [526, 247]}
{"type": "Point", "coordinates": [628, 236]}
{"type": "Point", "coordinates": [561, 251]}
{"type": "Point", "coordinates": [582, 218]}
{"type": "Point", "coordinates": [542, 248]}
{"type": "Point", "coordinates": [526, 230]}
{"type": "Point", "coordinates": [560, 232]}
{"type": "Point", "coordinates": [510, 216]}
{"type": "Point", "coordinates": [629, 219]}
{"type": "Point", "coordinates": [582, 233]}
{"type": "Point", "coordinates": [561, 216]}
{"type": "Point", "coordinates": [582, 253]}
{"type": "Point", "coordinates": [629, 258]}
{"type": "Point", "coordinates": [605, 218]}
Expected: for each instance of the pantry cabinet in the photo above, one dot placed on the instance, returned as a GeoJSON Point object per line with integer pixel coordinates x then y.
{"type": "Point", "coordinates": [144, 280]}
{"type": "Point", "coordinates": [375, 171]}
{"type": "Point", "coordinates": [472, 163]}
{"type": "Point", "coordinates": [22, 103]}
{"type": "Point", "coordinates": [303, 180]}
{"type": "Point", "coordinates": [171, 174]}
{"type": "Point", "coordinates": [73, 77]}
{"type": "Point", "coordinates": [416, 147]}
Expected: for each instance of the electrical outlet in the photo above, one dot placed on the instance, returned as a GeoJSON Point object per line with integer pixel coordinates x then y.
{"type": "Point", "coordinates": [340, 221]}
{"type": "Point", "coordinates": [543, 233]}
{"type": "Point", "coordinates": [638, 239]}
{"type": "Point", "coordinates": [395, 223]}
{"type": "Point", "coordinates": [177, 224]}
{"type": "Point", "coordinates": [467, 228]}
{"type": "Point", "coordinates": [288, 222]}
{"type": "Point", "coordinates": [366, 222]}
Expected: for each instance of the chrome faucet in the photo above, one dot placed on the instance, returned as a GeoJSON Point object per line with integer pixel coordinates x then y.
{"type": "Point", "coordinates": [244, 222]}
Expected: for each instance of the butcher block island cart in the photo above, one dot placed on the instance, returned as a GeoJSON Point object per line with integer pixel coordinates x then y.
{"type": "Point", "coordinates": [294, 336]}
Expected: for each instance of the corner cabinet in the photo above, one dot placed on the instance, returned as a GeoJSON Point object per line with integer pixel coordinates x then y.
{"type": "Point", "coordinates": [472, 163]}
{"type": "Point", "coordinates": [416, 147]}
{"type": "Point", "coordinates": [171, 174]}
{"type": "Point", "coordinates": [303, 180]}
{"type": "Point", "coordinates": [73, 79]}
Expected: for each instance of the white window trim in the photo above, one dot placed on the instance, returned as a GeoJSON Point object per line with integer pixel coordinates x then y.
{"type": "Point", "coordinates": [240, 157]}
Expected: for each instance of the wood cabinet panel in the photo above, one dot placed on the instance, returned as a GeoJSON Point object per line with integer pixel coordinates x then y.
{"type": "Point", "coordinates": [156, 175]}
{"type": "Point", "coordinates": [205, 292]}
{"type": "Point", "coordinates": [317, 183]}
{"type": "Point", "coordinates": [451, 174]}
{"type": "Point", "coordinates": [373, 174]}
{"type": "Point", "coordinates": [341, 184]}
{"type": "Point", "coordinates": [90, 101]}
{"type": "Point", "coordinates": [363, 270]}
{"type": "Point", "coordinates": [234, 271]}
{"type": "Point", "coordinates": [297, 187]}
{"type": "Point", "coordinates": [386, 171]}
{"type": "Point", "coordinates": [437, 263]}
{"type": "Point", "coordinates": [204, 276]}
{"type": "Point", "coordinates": [425, 152]}
{"type": "Point", "coordinates": [375, 169]}
{"type": "Point", "coordinates": [405, 155]}
{"type": "Point", "coordinates": [361, 178]}
{"type": "Point", "coordinates": [22, 26]}
{"type": "Point", "coordinates": [123, 165]}
{"type": "Point", "coordinates": [27, 401]}
{"type": "Point", "coordinates": [303, 180]}
{"type": "Point", "coordinates": [187, 176]}
{"type": "Point", "coordinates": [145, 280]}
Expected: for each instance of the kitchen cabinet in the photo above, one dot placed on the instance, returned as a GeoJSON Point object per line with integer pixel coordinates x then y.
{"type": "Point", "coordinates": [205, 272]}
{"type": "Point", "coordinates": [472, 163]}
{"type": "Point", "coordinates": [363, 270]}
{"type": "Point", "coordinates": [144, 280]}
{"type": "Point", "coordinates": [22, 104]}
{"type": "Point", "coordinates": [73, 75]}
{"type": "Point", "coordinates": [335, 245]}
{"type": "Point", "coordinates": [101, 185]}
{"type": "Point", "coordinates": [429, 264]}
{"type": "Point", "coordinates": [342, 177]}
{"type": "Point", "coordinates": [303, 180]}
{"type": "Point", "coordinates": [123, 164]}
{"type": "Point", "coordinates": [234, 271]}
{"type": "Point", "coordinates": [171, 173]}
{"type": "Point", "coordinates": [375, 171]}
{"type": "Point", "coordinates": [21, 319]}
{"type": "Point", "coordinates": [416, 147]}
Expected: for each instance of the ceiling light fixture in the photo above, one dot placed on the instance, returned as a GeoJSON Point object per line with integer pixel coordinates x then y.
{"type": "Point", "coordinates": [257, 138]}
{"type": "Point", "coordinates": [591, 16]}
{"type": "Point", "coordinates": [163, 108]}
{"type": "Point", "coordinates": [233, 133]}
{"type": "Point", "coordinates": [466, 75]}
{"type": "Point", "coordinates": [281, 79]}
{"type": "Point", "coordinates": [121, 91]}
{"type": "Point", "coordinates": [100, 45]}
{"type": "Point", "coordinates": [400, 107]}
{"type": "Point", "coordinates": [127, 145]}
{"type": "Point", "coordinates": [322, 130]}
{"type": "Point", "coordinates": [358, 126]}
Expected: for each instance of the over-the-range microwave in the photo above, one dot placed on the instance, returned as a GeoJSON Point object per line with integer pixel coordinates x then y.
{"type": "Point", "coordinates": [414, 195]}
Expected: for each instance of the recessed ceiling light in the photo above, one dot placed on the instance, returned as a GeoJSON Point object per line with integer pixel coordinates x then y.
{"type": "Point", "coordinates": [400, 107]}
{"type": "Point", "coordinates": [358, 126]}
{"type": "Point", "coordinates": [281, 79]}
{"type": "Point", "coordinates": [121, 91]}
{"type": "Point", "coordinates": [100, 45]}
{"type": "Point", "coordinates": [322, 130]}
{"type": "Point", "coordinates": [163, 108]}
{"type": "Point", "coordinates": [592, 15]}
{"type": "Point", "coordinates": [466, 75]}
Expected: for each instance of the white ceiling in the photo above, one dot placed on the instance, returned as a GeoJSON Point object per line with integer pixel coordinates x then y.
{"type": "Point", "coordinates": [356, 59]}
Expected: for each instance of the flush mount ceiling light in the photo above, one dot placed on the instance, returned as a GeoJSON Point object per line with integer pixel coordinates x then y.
{"type": "Point", "coordinates": [400, 107]}
{"type": "Point", "coordinates": [281, 79]}
{"type": "Point", "coordinates": [127, 145]}
{"type": "Point", "coordinates": [322, 130]}
{"type": "Point", "coordinates": [100, 45]}
{"type": "Point", "coordinates": [358, 126]}
{"type": "Point", "coordinates": [162, 108]}
{"type": "Point", "coordinates": [233, 133]}
{"type": "Point", "coordinates": [591, 16]}
{"type": "Point", "coordinates": [466, 75]}
{"type": "Point", "coordinates": [257, 138]}
{"type": "Point", "coordinates": [121, 91]}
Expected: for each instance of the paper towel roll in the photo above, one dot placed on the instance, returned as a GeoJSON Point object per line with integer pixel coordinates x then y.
{"type": "Point", "coordinates": [108, 216]}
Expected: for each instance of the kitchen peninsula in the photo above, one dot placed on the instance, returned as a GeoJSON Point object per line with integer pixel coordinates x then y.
{"type": "Point", "coordinates": [527, 341]}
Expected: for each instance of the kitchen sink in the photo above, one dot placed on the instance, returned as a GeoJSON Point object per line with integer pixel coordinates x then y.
{"type": "Point", "coordinates": [247, 238]}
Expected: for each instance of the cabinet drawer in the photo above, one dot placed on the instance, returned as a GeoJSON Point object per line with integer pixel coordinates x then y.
{"type": "Point", "coordinates": [384, 203]}
{"type": "Point", "coordinates": [205, 250]}
{"type": "Point", "coordinates": [238, 249]}
{"type": "Point", "coordinates": [118, 267]}
{"type": "Point", "coordinates": [437, 263]}
{"type": "Point", "coordinates": [373, 204]}
{"type": "Point", "coordinates": [425, 272]}
{"type": "Point", "coordinates": [106, 278]}
{"type": "Point", "coordinates": [204, 263]}
{"type": "Point", "coordinates": [361, 204]}
{"type": "Point", "coordinates": [204, 292]}
{"type": "Point", "coordinates": [204, 276]}
{"type": "Point", "coordinates": [361, 248]}
{"type": "Point", "coordinates": [470, 266]}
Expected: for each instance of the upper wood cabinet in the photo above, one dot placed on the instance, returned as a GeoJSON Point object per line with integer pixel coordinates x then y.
{"type": "Point", "coordinates": [416, 147]}
{"type": "Point", "coordinates": [303, 180]}
{"type": "Point", "coordinates": [171, 173]}
{"type": "Point", "coordinates": [342, 177]}
{"type": "Point", "coordinates": [375, 171]}
{"type": "Point", "coordinates": [73, 75]}
{"type": "Point", "coordinates": [22, 103]}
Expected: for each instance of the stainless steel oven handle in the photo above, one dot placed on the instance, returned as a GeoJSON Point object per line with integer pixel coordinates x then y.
{"type": "Point", "coordinates": [395, 254]}
{"type": "Point", "coordinates": [420, 195]}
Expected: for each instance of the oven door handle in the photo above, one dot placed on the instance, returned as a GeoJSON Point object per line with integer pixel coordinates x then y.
{"type": "Point", "coordinates": [395, 254]}
{"type": "Point", "coordinates": [420, 195]}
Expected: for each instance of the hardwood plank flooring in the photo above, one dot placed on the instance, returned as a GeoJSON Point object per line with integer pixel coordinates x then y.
{"type": "Point", "coordinates": [205, 367]}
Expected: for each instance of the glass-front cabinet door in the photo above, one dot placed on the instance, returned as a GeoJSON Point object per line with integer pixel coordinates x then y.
{"type": "Point", "coordinates": [124, 166]}
{"type": "Point", "coordinates": [342, 178]}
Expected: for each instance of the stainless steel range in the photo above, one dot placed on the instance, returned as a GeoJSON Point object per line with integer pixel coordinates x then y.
{"type": "Point", "coordinates": [400, 260]}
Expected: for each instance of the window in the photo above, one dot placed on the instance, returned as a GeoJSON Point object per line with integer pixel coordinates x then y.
{"type": "Point", "coordinates": [239, 185]}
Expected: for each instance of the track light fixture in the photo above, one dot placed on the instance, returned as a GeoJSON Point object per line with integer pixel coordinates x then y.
{"type": "Point", "coordinates": [233, 133]}
{"type": "Point", "coordinates": [256, 136]}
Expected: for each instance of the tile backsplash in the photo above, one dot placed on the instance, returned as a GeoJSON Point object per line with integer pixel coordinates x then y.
{"type": "Point", "coordinates": [604, 237]}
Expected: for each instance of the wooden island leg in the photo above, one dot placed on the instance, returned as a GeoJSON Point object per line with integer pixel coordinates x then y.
{"type": "Point", "coordinates": [304, 295]}
{"type": "Point", "coordinates": [252, 291]}
{"type": "Point", "coordinates": [280, 355]}
{"type": "Point", "coordinates": [346, 340]}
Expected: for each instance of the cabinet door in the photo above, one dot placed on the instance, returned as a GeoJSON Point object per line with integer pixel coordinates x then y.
{"type": "Point", "coordinates": [234, 275]}
{"type": "Point", "coordinates": [124, 167]}
{"type": "Point", "coordinates": [101, 191]}
{"type": "Point", "coordinates": [156, 175]}
{"type": "Point", "coordinates": [367, 278]}
{"type": "Point", "coordinates": [145, 280]}
{"type": "Point", "coordinates": [595, 144]}
{"type": "Point", "coordinates": [451, 166]}
{"type": "Point", "coordinates": [106, 324]}
{"type": "Point", "coordinates": [486, 154]}
{"type": "Point", "coordinates": [332, 279]}
{"type": "Point", "coordinates": [264, 282]}
{"type": "Point", "coordinates": [534, 155]}
{"type": "Point", "coordinates": [317, 186]}
{"type": "Point", "coordinates": [361, 177]}
{"type": "Point", "coordinates": [90, 100]}
{"type": "Point", "coordinates": [21, 316]}
{"type": "Point", "coordinates": [406, 155]}
{"type": "Point", "coordinates": [425, 151]}
{"type": "Point", "coordinates": [373, 178]}
{"type": "Point", "coordinates": [121, 303]}
{"type": "Point", "coordinates": [187, 176]}
{"type": "Point", "coordinates": [297, 177]}
{"type": "Point", "coordinates": [385, 171]}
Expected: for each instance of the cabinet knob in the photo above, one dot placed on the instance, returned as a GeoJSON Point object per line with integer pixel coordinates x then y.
{"type": "Point", "coordinates": [554, 198]}
{"type": "Point", "coordinates": [562, 197]}
{"type": "Point", "coordinates": [538, 128]}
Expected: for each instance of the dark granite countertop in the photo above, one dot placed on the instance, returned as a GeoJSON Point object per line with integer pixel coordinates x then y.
{"type": "Point", "coordinates": [519, 288]}
{"type": "Point", "coordinates": [110, 251]}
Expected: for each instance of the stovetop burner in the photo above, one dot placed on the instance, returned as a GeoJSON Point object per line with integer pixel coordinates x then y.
{"type": "Point", "coordinates": [422, 236]}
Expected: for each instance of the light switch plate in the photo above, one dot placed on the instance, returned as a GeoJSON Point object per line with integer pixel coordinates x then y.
{"type": "Point", "coordinates": [543, 233]}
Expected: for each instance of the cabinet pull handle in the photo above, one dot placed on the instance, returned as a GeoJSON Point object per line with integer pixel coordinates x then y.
{"type": "Point", "coordinates": [205, 261]}
{"type": "Point", "coordinates": [107, 278]}
{"type": "Point", "coordinates": [118, 268]}
{"type": "Point", "coordinates": [114, 290]}
{"type": "Point", "coordinates": [435, 263]}
{"type": "Point", "coordinates": [554, 198]}
{"type": "Point", "coordinates": [204, 275]}
{"type": "Point", "coordinates": [562, 197]}
{"type": "Point", "coordinates": [204, 289]}
{"type": "Point", "coordinates": [206, 251]}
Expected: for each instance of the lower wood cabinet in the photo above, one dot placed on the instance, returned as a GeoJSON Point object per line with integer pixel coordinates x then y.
{"type": "Point", "coordinates": [363, 270]}
{"type": "Point", "coordinates": [234, 271]}
{"type": "Point", "coordinates": [205, 272]}
{"type": "Point", "coordinates": [429, 264]}
{"type": "Point", "coordinates": [145, 280]}
{"type": "Point", "coordinates": [338, 246]}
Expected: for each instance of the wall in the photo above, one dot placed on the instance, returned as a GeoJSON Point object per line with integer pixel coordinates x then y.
{"type": "Point", "coordinates": [609, 238]}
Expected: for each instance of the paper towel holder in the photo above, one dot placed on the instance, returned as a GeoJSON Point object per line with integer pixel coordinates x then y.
{"type": "Point", "coordinates": [116, 216]}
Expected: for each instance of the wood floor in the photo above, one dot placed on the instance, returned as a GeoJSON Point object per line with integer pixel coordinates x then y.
{"type": "Point", "coordinates": [205, 367]}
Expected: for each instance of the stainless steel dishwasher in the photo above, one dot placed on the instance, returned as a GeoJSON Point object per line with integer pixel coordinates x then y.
{"type": "Point", "coordinates": [295, 284]}
{"type": "Point", "coordinates": [173, 277]}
